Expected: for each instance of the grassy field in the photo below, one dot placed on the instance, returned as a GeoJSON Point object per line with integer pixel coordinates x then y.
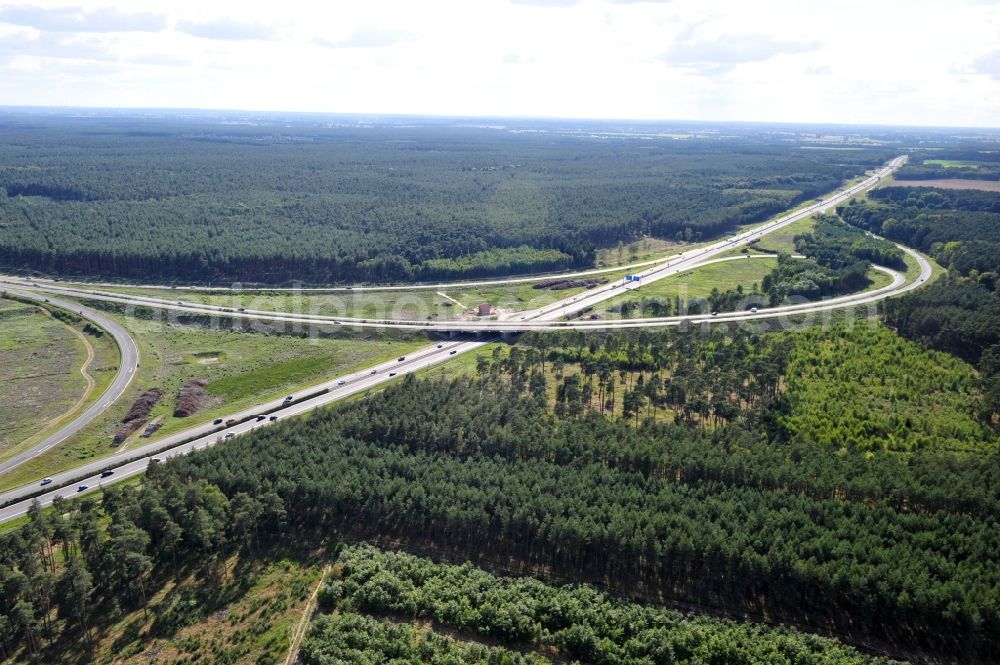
{"type": "Point", "coordinates": [725, 275]}
{"type": "Point", "coordinates": [878, 279]}
{"type": "Point", "coordinates": [640, 250]}
{"type": "Point", "coordinates": [240, 369]}
{"type": "Point", "coordinates": [953, 183]}
{"type": "Point", "coordinates": [698, 282]}
{"type": "Point", "coordinates": [41, 359]}
{"type": "Point", "coordinates": [782, 240]}
{"type": "Point", "coordinates": [951, 163]}
{"type": "Point", "coordinates": [412, 304]}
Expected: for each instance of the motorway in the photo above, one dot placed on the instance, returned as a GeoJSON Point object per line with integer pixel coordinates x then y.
{"type": "Point", "coordinates": [126, 372]}
{"type": "Point", "coordinates": [537, 319]}
{"type": "Point", "coordinates": [132, 462]}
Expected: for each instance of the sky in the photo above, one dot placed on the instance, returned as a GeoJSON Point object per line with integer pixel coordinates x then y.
{"type": "Point", "coordinates": [892, 62]}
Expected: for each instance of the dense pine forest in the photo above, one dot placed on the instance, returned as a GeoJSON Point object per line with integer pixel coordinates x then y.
{"type": "Point", "coordinates": [369, 606]}
{"type": "Point", "coordinates": [275, 200]}
{"type": "Point", "coordinates": [960, 229]}
{"type": "Point", "coordinates": [823, 496]}
{"type": "Point", "coordinates": [703, 470]}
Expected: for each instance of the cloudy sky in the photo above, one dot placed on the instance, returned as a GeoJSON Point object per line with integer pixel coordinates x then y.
{"type": "Point", "coordinates": [925, 62]}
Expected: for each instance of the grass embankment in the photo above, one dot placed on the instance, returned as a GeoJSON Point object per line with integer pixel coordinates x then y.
{"type": "Point", "coordinates": [726, 275]}
{"type": "Point", "coordinates": [411, 304]}
{"type": "Point", "coordinates": [240, 369]}
{"type": "Point", "coordinates": [783, 240]}
{"type": "Point", "coordinates": [697, 283]}
{"type": "Point", "coordinates": [51, 370]}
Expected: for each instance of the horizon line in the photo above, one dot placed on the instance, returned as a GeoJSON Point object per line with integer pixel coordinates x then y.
{"type": "Point", "coordinates": [473, 116]}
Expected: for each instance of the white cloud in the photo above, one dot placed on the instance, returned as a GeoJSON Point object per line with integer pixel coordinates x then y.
{"type": "Point", "coordinates": [547, 3]}
{"type": "Point", "coordinates": [228, 29]}
{"type": "Point", "coordinates": [698, 59]}
{"type": "Point", "coordinates": [516, 59]}
{"type": "Point", "coordinates": [989, 64]}
{"type": "Point", "coordinates": [159, 59]}
{"type": "Point", "coordinates": [48, 45]}
{"type": "Point", "coordinates": [77, 19]}
{"type": "Point", "coordinates": [367, 37]}
{"type": "Point", "coordinates": [727, 51]}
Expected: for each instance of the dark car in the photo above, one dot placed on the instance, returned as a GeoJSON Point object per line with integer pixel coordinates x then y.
{"type": "Point", "coordinates": [401, 359]}
{"type": "Point", "coordinates": [107, 472]}
{"type": "Point", "coordinates": [452, 352]}
{"type": "Point", "coordinates": [217, 421]}
{"type": "Point", "coordinates": [46, 481]}
{"type": "Point", "coordinates": [392, 374]}
{"type": "Point", "coordinates": [260, 418]}
{"type": "Point", "coordinates": [81, 488]}
{"type": "Point", "coordinates": [273, 418]}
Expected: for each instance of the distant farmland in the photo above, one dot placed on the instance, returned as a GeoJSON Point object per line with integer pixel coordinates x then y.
{"type": "Point", "coordinates": [954, 183]}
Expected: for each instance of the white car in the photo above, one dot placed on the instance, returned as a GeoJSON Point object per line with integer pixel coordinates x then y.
{"type": "Point", "coordinates": [753, 310]}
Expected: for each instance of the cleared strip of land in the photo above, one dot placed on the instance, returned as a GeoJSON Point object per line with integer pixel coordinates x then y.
{"type": "Point", "coordinates": [39, 362]}
{"type": "Point", "coordinates": [953, 183]}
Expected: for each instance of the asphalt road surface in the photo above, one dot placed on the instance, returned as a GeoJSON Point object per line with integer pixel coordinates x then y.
{"type": "Point", "coordinates": [126, 371]}
{"type": "Point", "coordinates": [89, 478]}
{"type": "Point", "coordinates": [521, 321]}
{"type": "Point", "coordinates": [131, 462]}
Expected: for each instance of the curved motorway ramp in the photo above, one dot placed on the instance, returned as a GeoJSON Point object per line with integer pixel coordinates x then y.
{"type": "Point", "coordinates": [126, 372]}
{"type": "Point", "coordinates": [123, 465]}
